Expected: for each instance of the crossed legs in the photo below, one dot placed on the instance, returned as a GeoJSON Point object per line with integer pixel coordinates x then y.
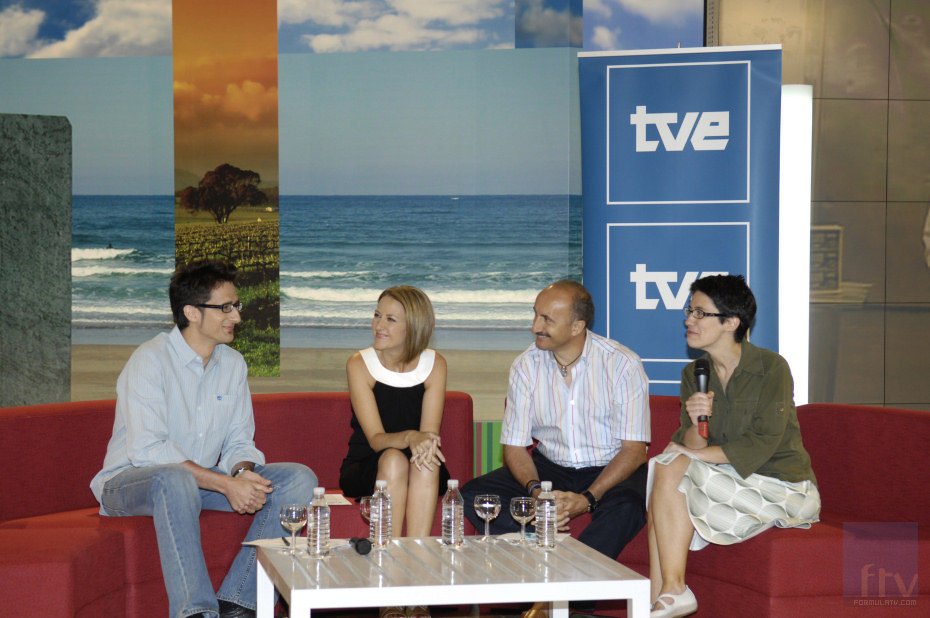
{"type": "Point", "coordinates": [669, 530]}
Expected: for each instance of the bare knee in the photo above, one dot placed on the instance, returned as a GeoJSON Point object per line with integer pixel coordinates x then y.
{"type": "Point", "coordinates": [667, 476]}
{"type": "Point", "coordinates": [393, 466]}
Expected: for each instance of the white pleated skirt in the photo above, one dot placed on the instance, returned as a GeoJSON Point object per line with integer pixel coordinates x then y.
{"type": "Point", "coordinates": [726, 508]}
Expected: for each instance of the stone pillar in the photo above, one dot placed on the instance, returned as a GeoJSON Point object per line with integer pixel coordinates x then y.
{"type": "Point", "coordinates": [35, 259]}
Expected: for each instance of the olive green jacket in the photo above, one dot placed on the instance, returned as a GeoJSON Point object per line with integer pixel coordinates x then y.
{"type": "Point", "coordinates": [754, 421]}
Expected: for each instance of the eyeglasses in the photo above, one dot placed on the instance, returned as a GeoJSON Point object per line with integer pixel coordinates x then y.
{"type": "Point", "coordinates": [700, 314]}
{"type": "Point", "coordinates": [225, 307]}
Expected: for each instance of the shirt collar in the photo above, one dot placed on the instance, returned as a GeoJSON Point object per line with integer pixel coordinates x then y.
{"type": "Point", "coordinates": [187, 354]}
{"type": "Point", "coordinates": [750, 359]}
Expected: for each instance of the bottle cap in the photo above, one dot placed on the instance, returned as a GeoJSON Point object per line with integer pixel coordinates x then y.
{"type": "Point", "coordinates": [453, 484]}
{"type": "Point", "coordinates": [379, 484]}
{"type": "Point", "coordinates": [546, 485]}
{"type": "Point", "coordinates": [318, 492]}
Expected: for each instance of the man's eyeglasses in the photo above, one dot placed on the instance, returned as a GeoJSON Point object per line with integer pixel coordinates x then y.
{"type": "Point", "coordinates": [700, 314]}
{"type": "Point", "coordinates": [225, 307]}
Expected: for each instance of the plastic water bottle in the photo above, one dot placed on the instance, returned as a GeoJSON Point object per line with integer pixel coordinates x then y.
{"type": "Point", "coordinates": [546, 520]}
{"type": "Point", "coordinates": [380, 520]}
{"type": "Point", "coordinates": [318, 524]}
{"type": "Point", "coordinates": [453, 516]}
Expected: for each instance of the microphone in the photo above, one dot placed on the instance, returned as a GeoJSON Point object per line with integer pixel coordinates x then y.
{"type": "Point", "coordinates": [702, 377]}
{"type": "Point", "coordinates": [362, 546]}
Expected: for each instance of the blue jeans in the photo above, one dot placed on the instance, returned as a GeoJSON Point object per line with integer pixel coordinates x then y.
{"type": "Point", "coordinates": [169, 494]}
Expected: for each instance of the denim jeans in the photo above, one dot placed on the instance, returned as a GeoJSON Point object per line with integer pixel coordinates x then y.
{"type": "Point", "coordinates": [169, 494]}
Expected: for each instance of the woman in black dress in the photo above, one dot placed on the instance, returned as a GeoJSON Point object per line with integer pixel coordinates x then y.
{"type": "Point", "coordinates": [397, 388]}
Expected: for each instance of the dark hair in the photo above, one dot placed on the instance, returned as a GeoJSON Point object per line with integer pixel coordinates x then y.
{"type": "Point", "coordinates": [419, 318]}
{"type": "Point", "coordinates": [582, 304]}
{"type": "Point", "coordinates": [192, 284]}
{"type": "Point", "coordinates": [732, 297]}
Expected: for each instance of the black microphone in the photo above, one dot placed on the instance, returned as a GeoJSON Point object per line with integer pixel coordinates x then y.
{"type": "Point", "coordinates": [702, 377]}
{"type": "Point", "coordinates": [362, 546]}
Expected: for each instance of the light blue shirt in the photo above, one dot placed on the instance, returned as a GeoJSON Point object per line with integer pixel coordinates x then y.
{"type": "Point", "coordinates": [581, 424]}
{"type": "Point", "coordinates": [170, 409]}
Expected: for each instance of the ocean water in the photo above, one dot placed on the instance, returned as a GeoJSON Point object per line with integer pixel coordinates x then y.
{"type": "Point", "coordinates": [481, 260]}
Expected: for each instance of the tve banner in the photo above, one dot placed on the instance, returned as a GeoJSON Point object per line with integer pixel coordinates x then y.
{"type": "Point", "coordinates": [680, 179]}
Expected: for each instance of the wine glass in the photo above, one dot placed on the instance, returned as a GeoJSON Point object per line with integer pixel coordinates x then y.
{"type": "Point", "coordinates": [293, 518]}
{"type": "Point", "coordinates": [523, 509]}
{"type": "Point", "coordinates": [364, 507]}
{"type": "Point", "coordinates": [487, 506]}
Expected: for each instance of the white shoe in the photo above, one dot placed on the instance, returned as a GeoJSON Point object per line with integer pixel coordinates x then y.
{"type": "Point", "coordinates": [674, 605]}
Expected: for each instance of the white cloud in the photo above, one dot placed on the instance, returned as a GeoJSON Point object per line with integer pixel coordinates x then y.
{"type": "Point", "coordinates": [674, 11]}
{"type": "Point", "coordinates": [451, 12]}
{"type": "Point", "coordinates": [604, 38]}
{"type": "Point", "coordinates": [337, 13]}
{"type": "Point", "coordinates": [597, 7]}
{"type": "Point", "coordinates": [548, 27]}
{"type": "Point", "coordinates": [119, 28]}
{"type": "Point", "coordinates": [391, 32]}
{"type": "Point", "coordinates": [358, 25]}
{"type": "Point", "coordinates": [18, 30]}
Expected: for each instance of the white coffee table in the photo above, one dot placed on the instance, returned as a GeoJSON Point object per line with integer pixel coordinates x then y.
{"type": "Point", "coordinates": [421, 571]}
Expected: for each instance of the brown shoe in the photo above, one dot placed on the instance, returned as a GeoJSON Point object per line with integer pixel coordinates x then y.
{"type": "Point", "coordinates": [539, 610]}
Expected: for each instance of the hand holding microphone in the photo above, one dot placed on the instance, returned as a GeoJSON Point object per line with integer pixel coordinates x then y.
{"type": "Point", "coordinates": [702, 378]}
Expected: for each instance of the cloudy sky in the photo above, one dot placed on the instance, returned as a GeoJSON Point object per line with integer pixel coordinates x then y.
{"type": "Point", "coordinates": [113, 28]}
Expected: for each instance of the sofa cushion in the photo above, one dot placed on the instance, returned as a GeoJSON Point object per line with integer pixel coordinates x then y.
{"type": "Point", "coordinates": [138, 534]}
{"type": "Point", "coordinates": [62, 445]}
{"type": "Point", "coordinates": [61, 572]}
{"type": "Point", "coordinates": [869, 461]}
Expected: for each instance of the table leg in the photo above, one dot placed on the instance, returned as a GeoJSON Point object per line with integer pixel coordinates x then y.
{"type": "Point", "coordinates": [264, 593]}
{"type": "Point", "coordinates": [638, 607]}
{"type": "Point", "coordinates": [558, 609]}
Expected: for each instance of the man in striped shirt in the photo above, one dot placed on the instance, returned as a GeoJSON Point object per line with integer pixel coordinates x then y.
{"type": "Point", "coordinates": [585, 400]}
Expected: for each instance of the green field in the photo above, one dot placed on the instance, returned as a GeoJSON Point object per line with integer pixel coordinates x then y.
{"type": "Point", "coordinates": [250, 241]}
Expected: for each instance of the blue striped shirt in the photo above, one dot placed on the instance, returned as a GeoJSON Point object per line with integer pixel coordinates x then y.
{"type": "Point", "coordinates": [581, 424]}
{"type": "Point", "coordinates": [170, 409]}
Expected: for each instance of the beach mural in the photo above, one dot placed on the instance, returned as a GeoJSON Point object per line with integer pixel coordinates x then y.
{"type": "Point", "coordinates": [456, 170]}
{"type": "Point", "coordinates": [226, 157]}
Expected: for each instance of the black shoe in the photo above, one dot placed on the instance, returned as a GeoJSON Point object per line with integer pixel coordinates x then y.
{"type": "Point", "coordinates": [231, 610]}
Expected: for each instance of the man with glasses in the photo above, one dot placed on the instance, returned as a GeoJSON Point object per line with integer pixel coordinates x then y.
{"type": "Point", "coordinates": [183, 441]}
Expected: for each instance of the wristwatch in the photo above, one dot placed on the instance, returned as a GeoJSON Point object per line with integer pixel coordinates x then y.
{"type": "Point", "coordinates": [593, 502]}
{"type": "Point", "coordinates": [236, 472]}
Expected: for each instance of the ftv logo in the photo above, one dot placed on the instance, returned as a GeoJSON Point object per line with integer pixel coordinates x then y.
{"type": "Point", "coordinates": [663, 280]}
{"type": "Point", "coordinates": [707, 130]}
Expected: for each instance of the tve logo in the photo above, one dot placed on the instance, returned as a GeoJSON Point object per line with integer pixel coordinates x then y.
{"type": "Point", "coordinates": [650, 269]}
{"type": "Point", "coordinates": [663, 280]}
{"type": "Point", "coordinates": [678, 133]}
{"type": "Point", "coordinates": [711, 127]}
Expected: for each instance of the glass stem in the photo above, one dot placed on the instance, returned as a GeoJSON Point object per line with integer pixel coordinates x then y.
{"type": "Point", "coordinates": [487, 529]}
{"type": "Point", "coordinates": [294, 542]}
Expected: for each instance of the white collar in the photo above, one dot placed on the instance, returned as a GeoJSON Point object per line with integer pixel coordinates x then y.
{"type": "Point", "coordinates": [393, 378]}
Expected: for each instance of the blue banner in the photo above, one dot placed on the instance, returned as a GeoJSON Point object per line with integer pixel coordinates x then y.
{"type": "Point", "coordinates": [680, 154]}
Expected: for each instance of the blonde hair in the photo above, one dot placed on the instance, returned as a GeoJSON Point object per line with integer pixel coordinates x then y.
{"type": "Point", "coordinates": [419, 317]}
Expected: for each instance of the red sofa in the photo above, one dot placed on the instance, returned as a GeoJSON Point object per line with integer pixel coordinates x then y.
{"type": "Point", "coordinates": [59, 557]}
{"type": "Point", "coordinates": [871, 465]}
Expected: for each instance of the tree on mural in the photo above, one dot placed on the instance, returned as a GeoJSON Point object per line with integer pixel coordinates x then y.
{"type": "Point", "coordinates": [223, 190]}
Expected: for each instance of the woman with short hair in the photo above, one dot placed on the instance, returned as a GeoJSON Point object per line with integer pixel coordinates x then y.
{"type": "Point", "coordinates": [750, 472]}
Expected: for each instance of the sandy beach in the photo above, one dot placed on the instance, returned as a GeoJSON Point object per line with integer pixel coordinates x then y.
{"type": "Point", "coordinates": [480, 373]}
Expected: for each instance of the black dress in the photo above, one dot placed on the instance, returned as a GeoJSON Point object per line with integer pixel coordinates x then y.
{"type": "Point", "coordinates": [400, 408]}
